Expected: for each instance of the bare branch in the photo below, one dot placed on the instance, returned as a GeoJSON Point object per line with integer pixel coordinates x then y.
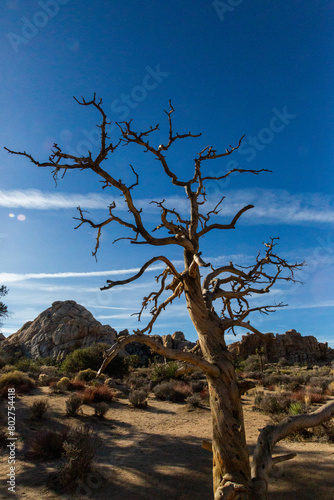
{"type": "Point", "coordinates": [271, 434]}
{"type": "Point", "coordinates": [187, 357]}
{"type": "Point", "coordinates": [162, 258]}
{"type": "Point", "coordinates": [225, 226]}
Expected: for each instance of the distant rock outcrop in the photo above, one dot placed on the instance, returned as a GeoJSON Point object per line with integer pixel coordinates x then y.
{"type": "Point", "coordinates": [59, 330]}
{"type": "Point", "coordinates": [291, 345]}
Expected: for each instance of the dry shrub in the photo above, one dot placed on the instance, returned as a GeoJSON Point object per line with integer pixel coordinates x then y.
{"type": "Point", "coordinates": [73, 404]}
{"type": "Point", "coordinates": [101, 409]}
{"type": "Point", "coordinates": [272, 403]}
{"type": "Point", "coordinates": [47, 444]}
{"type": "Point", "coordinates": [331, 388]}
{"type": "Point", "coordinates": [98, 394]}
{"type": "Point", "coordinates": [19, 380]}
{"type": "Point", "coordinates": [194, 401]}
{"type": "Point", "coordinates": [79, 451]}
{"type": "Point", "coordinates": [77, 385]}
{"type": "Point", "coordinates": [138, 398]}
{"type": "Point", "coordinates": [177, 392]}
{"type": "Point", "coordinates": [38, 409]}
{"type": "Point", "coordinates": [308, 396]}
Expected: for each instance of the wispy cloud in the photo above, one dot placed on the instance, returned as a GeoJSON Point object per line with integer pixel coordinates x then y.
{"type": "Point", "coordinates": [271, 205]}
{"type": "Point", "coordinates": [39, 200]}
{"type": "Point", "coordinates": [12, 277]}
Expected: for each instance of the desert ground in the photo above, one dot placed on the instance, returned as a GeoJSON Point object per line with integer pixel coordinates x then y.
{"type": "Point", "coordinates": [156, 453]}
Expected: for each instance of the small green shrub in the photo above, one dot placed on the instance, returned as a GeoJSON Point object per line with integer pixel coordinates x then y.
{"type": "Point", "coordinates": [64, 384]}
{"type": "Point", "coordinates": [86, 375]}
{"type": "Point", "coordinates": [164, 371]}
{"type": "Point", "coordinates": [17, 379]}
{"type": "Point", "coordinates": [92, 358]}
{"type": "Point", "coordinates": [101, 409]}
{"type": "Point", "coordinates": [38, 409]}
{"type": "Point", "coordinates": [296, 408]}
{"type": "Point", "coordinates": [138, 398]}
{"type": "Point", "coordinates": [73, 404]}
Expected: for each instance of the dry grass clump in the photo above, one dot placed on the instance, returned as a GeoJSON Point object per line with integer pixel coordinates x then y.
{"type": "Point", "coordinates": [38, 409]}
{"type": "Point", "coordinates": [98, 394]}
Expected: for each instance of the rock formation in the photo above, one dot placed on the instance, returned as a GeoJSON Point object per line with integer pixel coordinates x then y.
{"type": "Point", "coordinates": [59, 330]}
{"type": "Point", "coordinates": [291, 345]}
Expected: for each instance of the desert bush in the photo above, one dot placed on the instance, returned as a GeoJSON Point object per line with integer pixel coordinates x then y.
{"type": "Point", "coordinates": [47, 444]}
{"type": "Point", "coordinates": [97, 395]}
{"type": "Point", "coordinates": [272, 403]}
{"type": "Point", "coordinates": [77, 385]}
{"type": "Point", "coordinates": [38, 409]}
{"type": "Point", "coordinates": [137, 380]}
{"type": "Point", "coordinates": [79, 451]}
{"type": "Point", "coordinates": [100, 409]}
{"type": "Point", "coordinates": [64, 384]}
{"type": "Point", "coordinates": [25, 364]}
{"type": "Point", "coordinates": [164, 371]}
{"type": "Point", "coordinates": [321, 381]}
{"type": "Point", "coordinates": [331, 388]}
{"type": "Point", "coordinates": [8, 368]}
{"type": "Point", "coordinates": [134, 361]}
{"type": "Point", "coordinates": [73, 404]}
{"type": "Point", "coordinates": [86, 375]}
{"type": "Point", "coordinates": [194, 400]}
{"type": "Point", "coordinates": [92, 358]}
{"type": "Point", "coordinates": [177, 392]}
{"type": "Point", "coordinates": [17, 379]}
{"type": "Point", "coordinates": [252, 363]}
{"type": "Point", "coordinates": [138, 398]}
{"type": "Point", "coordinates": [51, 371]}
{"type": "Point", "coordinates": [43, 379]}
{"type": "Point", "coordinates": [283, 362]}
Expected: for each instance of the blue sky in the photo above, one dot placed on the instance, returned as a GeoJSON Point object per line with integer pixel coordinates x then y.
{"type": "Point", "coordinates": [260, 68]}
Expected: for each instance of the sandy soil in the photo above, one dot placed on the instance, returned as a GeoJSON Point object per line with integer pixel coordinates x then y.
{"type": "Point", "coordinates": [156, 453]}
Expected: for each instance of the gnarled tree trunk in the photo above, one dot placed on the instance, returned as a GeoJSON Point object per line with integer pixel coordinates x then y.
{"type": "Point", "coordinates": [231, 469]}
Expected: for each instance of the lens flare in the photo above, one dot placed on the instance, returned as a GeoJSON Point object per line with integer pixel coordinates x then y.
{"type": "Point", "coordinates": [21, 217]}
{"type": "Point", "coordinates": [11, 215]}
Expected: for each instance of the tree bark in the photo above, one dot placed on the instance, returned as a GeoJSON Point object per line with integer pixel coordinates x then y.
{"type": "Point", "coordinates": [231, 468]}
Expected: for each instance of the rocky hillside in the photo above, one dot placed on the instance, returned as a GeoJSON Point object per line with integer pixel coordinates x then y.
{"type": "Point", "coordinates": [292, 346]}
{"type": "Point", "coordinates": [59, 330]}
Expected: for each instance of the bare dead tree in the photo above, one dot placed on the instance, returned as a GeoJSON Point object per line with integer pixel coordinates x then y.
{"type": "Point", "coordinates": [231, 284]}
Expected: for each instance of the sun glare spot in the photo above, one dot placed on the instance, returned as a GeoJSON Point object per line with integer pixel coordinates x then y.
{"type": "Point", "coordinates": [21, 217]}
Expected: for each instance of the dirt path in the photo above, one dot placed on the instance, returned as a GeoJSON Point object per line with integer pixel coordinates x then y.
{"type": "Point", "coordinates": [156, 454]}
